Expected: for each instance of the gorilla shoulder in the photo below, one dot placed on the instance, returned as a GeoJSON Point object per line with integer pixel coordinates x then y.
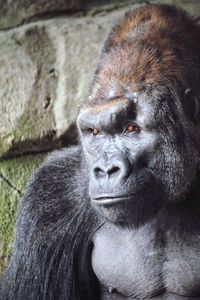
{"type": "Point", "coordinates": [56, 182]}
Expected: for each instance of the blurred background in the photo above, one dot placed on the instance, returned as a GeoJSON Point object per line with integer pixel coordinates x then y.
{"type": "Point", "coordinates": [48, 53]}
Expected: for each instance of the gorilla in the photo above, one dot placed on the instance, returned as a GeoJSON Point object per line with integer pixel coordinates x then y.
{"type": "Point", "coordinates": [118, 216]}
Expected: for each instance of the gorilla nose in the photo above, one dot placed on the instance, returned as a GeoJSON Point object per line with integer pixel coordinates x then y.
{"type": "Point", "coordinates": [115, 168]}
{"type": "Point", "coordinates": [110, 171]}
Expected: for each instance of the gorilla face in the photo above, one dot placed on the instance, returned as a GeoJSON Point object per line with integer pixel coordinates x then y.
{"type": "Point", "coordinates": [140, 154]}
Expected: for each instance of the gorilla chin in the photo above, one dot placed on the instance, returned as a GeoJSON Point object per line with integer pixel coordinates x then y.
{"type": "Point", "coordinates": [140, 204]}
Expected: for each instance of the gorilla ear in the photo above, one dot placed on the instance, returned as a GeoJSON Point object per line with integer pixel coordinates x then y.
{"type": "Point", "coordinates": [191, 106]}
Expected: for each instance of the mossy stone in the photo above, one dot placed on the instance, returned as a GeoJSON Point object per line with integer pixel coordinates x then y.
{"type": "Point", "coordinates": [14, 175]}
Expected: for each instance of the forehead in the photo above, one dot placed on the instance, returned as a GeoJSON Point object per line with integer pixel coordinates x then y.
{"type": "Point", "coordinates": [134, 105]}
{"type": "Point", "coordinates": [118, 101]}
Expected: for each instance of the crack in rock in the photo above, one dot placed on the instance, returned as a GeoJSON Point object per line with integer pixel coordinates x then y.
{"type": "Point", "coordinates": [10, 183]}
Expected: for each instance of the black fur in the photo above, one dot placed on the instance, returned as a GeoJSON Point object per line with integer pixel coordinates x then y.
{"type": "Point", "coordinates": [53, 245]}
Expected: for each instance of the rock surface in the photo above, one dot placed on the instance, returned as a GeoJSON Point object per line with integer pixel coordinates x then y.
{"type": "Point", "coordinates": [14, 13]}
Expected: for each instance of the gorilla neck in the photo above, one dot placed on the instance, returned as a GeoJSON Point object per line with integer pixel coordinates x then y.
{"type": "Point", "coordinates": [184, 214]}
{"type": "Point", "coordinates": [180, 218]}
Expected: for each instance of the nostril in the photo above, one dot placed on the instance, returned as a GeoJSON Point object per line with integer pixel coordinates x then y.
{"type": "Point", "coordinates": [98, 172]}
{"type": "Point", "coordinates": [113, 171]}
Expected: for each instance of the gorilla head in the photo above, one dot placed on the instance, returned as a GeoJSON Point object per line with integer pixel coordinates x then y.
{"type": "Point", "coordinates": [140, 127]}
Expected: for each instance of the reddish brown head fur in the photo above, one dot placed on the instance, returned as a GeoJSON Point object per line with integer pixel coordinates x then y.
{"type": "Point", "coordinates": [153, 45]}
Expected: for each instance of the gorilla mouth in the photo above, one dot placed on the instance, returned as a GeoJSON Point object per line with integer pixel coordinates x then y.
{"type": "Point", "coordinates": [110, 199]}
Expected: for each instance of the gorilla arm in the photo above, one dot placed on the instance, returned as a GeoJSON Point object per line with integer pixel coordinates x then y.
{"type": "Point", "coordinates": [53, 229]}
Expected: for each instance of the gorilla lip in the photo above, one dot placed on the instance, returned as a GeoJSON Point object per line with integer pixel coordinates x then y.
{"type": "Point", "coordinates": [107, 199]}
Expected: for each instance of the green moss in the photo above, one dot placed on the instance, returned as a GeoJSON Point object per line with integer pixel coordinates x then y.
{"type": "Point", "coordinates": [15, 172]}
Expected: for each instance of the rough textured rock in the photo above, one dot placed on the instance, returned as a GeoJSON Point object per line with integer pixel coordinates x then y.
{"type": "Point", "coordinates": [14, 12]}
{"type": "Point", "coordinates": [13, 177]}
{"type": "Point", "coordinates": [28, 88]}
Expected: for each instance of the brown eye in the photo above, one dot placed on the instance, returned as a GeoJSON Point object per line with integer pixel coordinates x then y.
{"type": "Point", "coordinates": [95, 131]}
{"type": "Point", "coordinates": [132, 128]}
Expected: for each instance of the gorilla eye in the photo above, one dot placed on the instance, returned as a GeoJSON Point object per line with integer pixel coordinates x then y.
{"type": "Point", "coordinates": [95, 131]}
{"type": "Point", "coordinates": [132, 128]}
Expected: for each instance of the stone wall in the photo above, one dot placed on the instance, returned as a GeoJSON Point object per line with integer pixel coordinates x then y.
{"type": "Point", "coordinates": [48, 53]}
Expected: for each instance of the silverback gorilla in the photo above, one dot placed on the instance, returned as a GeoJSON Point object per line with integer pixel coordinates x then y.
{"type": "Point", "coordinates": [118, 217]}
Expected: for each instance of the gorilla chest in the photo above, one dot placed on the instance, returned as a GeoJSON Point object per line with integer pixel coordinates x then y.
{"type": "Point", "coordinates": [140, 264]}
